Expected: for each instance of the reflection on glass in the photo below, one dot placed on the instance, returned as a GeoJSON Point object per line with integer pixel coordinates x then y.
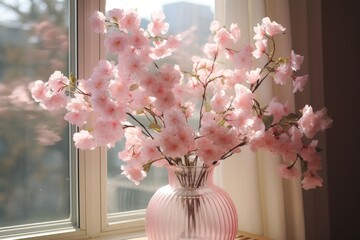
{"type": "Point", "coordinates": [191, 19]}
{"type": "Point", "coordinates": [34, 147]}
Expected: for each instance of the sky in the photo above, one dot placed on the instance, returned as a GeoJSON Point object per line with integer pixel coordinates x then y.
{"type": "Point", "coordinates": [146, 7]}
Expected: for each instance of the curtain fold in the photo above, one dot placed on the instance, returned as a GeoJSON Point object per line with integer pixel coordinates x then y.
{"type": "Point", "coordinates": [266, 204]}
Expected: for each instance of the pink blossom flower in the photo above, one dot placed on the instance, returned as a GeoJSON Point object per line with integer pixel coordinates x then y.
{"type": "Point", "coordinates": [113, 110]}
{"type": "Point", "coordinates": [130, 21]}
{"type": "Point", "coordinates": [157, 25]}
{"type": "Point", "coordinates": [243, 58]}
{"type": "Point", "coordinates": [58, 81]}
{"type": "Point", "coordinates": [259, 32]}
{"type": "Point", "coordinates": [244, 97]}
{"type": "Point", "coordinates": [208, 151]}
{"type": "Point", "coordinates": [209, 124]}
{"type": "Point", "coordinates": [165, 101]}
{"type": "Point", "coordinates": [309, 153]}
{"type": "Point", "coordinates": [211, 50]}
{"type": "Point", "coordinates": [276, 109]}
{"type": "Point", "coordinates": [39, 91]}
{"type": "Point", "coordinates": [116, 42]}
{"type": "Point", "coordinates": [139, 100]}
{"type": "Point", "coordinates": [116, 14]}
{"type": "Point", "coordinates": [119, 90]}
{"type": "Point", "coordinates": [295, 136]}
{"type": "Point", "coordinates": [99, 101]}
{"type": "Point", "coordinates": [173, 42]}
{"type": "Point", "coordinates": [299, 83]}
{"type": "Point", "coordinates": [288, 172]}
{"type": "Point", "coordinates": [133, 63]}
{"type": "Point", "coordinates": [174, 119]}
{"type": "Point", "coordinates": [223, 38]}
{"type": "Point", "coordinates": [234, 77]}
{"type": "Point", "coordinates": [138, 39]}
{"type": "Point", "coordinates": [253, 75]}
{"type": "Point", "coordinates": [158, 89]}
{"type": "Point", "coordinates": [296, 61]}
{"type": "Point", "coordinates": [168, 141]}
{"type": "Point", "coordinates": [214, 26]}
{"type": "Point", "coordinates": [97, 84]}
{"type": "Point", "coordinates": [220, 101]}
{"type": "Point", "coordinates": [235, 32]}
{"type": "Point", "coordinates": [149, 151]}
{"type": "Point", "coordinates": [97, 22]}
{"type": "Point", "coordinates": [134, 172]}
{"type": "Point", "coordinates": [77, 118]}
{"type": "Point", "coordinates": [266, 140]}
{"type": "Point", "coordinates": [311, 180]}
{"type": "Point", "coordinates": [225, 138]}
{"type": "Point", "coordinates": [260, 48]}
{"type": "Point", "coordinates": [105, 69]}
{"type": "Point", "coordinates": [107, 132]}
{"type": "Point", "coordinates": [78, 103]}
{"type": "Point", "coordinates": [55, 101]}
{"type": "Point", "coordinates": [185, 136]}
{"type": "Point", "coordinates": [271, 27]}
{"type": "Point", "coordinates": [133, 136]}
{"type": "Point", "coordinates": [169, 75]}
{"type": "Point", "coordinates": [282, 73]}
{"type": "Point", "coordinates": [160, 51]}
{"type": "Point", "coordinates": [84, 140]}
{"type": "Point", "coordinates": [310, 123]}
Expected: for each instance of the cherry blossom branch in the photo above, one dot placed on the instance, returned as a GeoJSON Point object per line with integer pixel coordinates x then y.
{"type": "Point", "coordinates": [142, 125]}
{"type": "Point", "coordinates": [205, 87]}
{"type": "Point", "coordinates": [270, 60]}
{"type": "Point", "coordinates": [230, 152]}
{"type": "Point", "coordinates": [132, 126]}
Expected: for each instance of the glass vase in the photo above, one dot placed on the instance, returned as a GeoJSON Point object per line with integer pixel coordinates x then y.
{"type": "Point", "coordinates": [191, 207]}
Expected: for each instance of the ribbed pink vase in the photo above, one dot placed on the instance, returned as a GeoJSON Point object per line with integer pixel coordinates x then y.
{"type": "Point", "coordinates": [191, 207]}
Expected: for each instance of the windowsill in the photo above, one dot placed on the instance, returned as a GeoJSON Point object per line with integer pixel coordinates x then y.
{"type": "Point", "coordinates": [241, 236]}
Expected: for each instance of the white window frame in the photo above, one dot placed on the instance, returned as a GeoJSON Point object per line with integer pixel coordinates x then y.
{"type": "Point", "coordinates": [93, 183]}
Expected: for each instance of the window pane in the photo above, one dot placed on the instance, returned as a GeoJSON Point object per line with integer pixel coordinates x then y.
{"type": "Point", "coordinates": [34, 144]}
{"type": "Point", "coordinates": [192, 20]}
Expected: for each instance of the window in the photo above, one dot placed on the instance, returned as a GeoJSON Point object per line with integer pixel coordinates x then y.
{"type": "Point", "coordinates": [191, 19]}
{"type": "Point", "coordinates": [37, 162]}
{"type": "Point", "coordinates": [47, 188]}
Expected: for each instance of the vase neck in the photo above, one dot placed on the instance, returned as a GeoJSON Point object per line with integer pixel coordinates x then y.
{"type": "Point", "coordinates": [190, 176]}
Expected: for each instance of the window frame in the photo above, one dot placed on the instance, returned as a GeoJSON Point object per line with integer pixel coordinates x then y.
{"type": "Point", "coordinates": [93, 191]}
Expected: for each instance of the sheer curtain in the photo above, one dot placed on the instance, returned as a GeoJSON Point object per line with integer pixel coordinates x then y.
{"type": "Point", "coordinates": [266, 204]}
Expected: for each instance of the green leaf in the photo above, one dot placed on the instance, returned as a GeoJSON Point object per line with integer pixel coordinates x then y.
{"type": "Point", "coordinates": [139, 111]}
{"type": "Point", "coordinates": [304, 166]}
{"type": "Point", "coordinates": [267, 120]}
{"type": "Point", "coordinates": [222, 122]}
{"type": "Point", "coordinates": [73, 80]}
{"type": "Point", "coordinates": [207, 106]}
{"type": "Point", "coordinates": [134, 87]}
{"type": "Point", "coordinates": [154, 126]}
{"type": "Point", "coordinates": [146, 167]}
{"type": "Point", "coordinates": [290, 119]}
{"type": "Point", "coordinates": [318, 149]}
